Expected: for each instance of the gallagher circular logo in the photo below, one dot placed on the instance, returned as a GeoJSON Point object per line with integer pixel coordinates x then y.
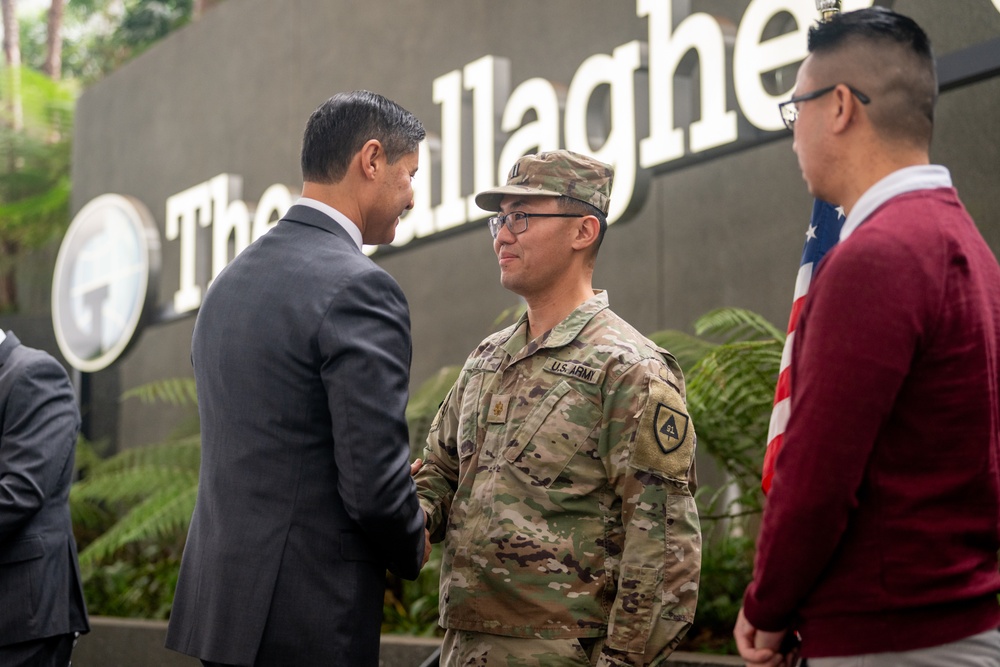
{"type": "Point", "coordinates": [103, 287]}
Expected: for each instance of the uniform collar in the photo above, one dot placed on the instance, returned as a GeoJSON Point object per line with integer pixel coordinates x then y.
{"type": "Point", "coordinates": [561, 334]}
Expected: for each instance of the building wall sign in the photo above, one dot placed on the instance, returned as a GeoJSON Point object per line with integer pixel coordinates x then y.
{"type": "Point", "coordinates": [217, 203]}
{"type": "Point", "coordinates": [105, 278]}
{"type": "Point", "coordinates": [498, 113]}
{"type": "Point", "coordinates": [639, 108]}
{"type": "Point", "coordinates": [568, 120]}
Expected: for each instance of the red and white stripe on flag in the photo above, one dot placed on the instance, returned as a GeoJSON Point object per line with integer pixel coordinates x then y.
{"type": "Point", "coordinates": [823, 234]}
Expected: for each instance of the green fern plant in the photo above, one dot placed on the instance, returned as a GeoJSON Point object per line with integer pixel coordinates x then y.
{"type": "Point", "coordinates": [179, 392]}
{"type": "Point", "coordinates": [34, 169]}
{"type": "Point", "coordinates": [150, 492]}
{"type": "Point", "coordinates": [731, 366]}
{"type": "Point", "coordinates": [142, 494]}
{"type": "Point", "coordinates": [131, 512]}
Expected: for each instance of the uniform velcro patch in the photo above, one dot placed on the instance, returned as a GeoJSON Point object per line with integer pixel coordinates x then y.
{"type": "Point", "coordinates": [664, 442]}
{"type": "Point", "coordinates": [576, 370]}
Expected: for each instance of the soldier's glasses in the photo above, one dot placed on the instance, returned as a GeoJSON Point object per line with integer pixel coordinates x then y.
{"type": "Point", "coordinates": [790, 110]}
{"type": "Point", "coordinates": [517, 221]}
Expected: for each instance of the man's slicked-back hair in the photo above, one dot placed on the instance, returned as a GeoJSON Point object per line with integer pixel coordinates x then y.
{"type": "Point", "coordinates": [903, 63]}
{"type": "Point", "coordinates": [338, 129]}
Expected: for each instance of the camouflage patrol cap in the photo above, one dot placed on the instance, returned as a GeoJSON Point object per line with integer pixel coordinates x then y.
{"type": "Point", "coordinates": [555, 174]}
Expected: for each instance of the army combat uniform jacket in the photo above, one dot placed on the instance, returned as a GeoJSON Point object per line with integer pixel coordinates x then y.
{"type": "Point", "coordinates": [559, 472]}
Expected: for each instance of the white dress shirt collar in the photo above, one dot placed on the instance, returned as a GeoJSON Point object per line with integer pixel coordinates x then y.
{"type": "Point", "coordinates": [3, 336]}
{"type": "Point", "coordinates": [908, 179]}
{"type": "Point", "coordinates": [341, 219]}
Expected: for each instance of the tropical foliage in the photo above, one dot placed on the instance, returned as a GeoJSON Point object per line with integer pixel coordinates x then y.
{"type": "Point", "coordinates": [141, 495]}
{"type": "Point", "coordinates": [411, 607]}
{"type": "Point", "coordinates": [98, 36]}
{"type": "Point", "coordinates": [86, 40]}
{"type": "Point", "coordinates": [131, 512]}
{"type": "Point", "coordinates": [34, 169]}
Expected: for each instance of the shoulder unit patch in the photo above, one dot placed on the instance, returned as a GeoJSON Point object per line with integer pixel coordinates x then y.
{"type": "Point", "coordinates": [665, 440]}
{"type": "Point", "coordinates": [670, 427]}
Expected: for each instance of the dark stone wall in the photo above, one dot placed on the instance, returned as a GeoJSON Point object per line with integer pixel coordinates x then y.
{"type": "Point", "coordinates": [231, 93]}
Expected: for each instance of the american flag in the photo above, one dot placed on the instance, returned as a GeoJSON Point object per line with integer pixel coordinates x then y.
{"type": "Point", "coordinates": [823, 234]}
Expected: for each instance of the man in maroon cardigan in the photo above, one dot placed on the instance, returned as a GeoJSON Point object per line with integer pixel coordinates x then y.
{"type": "Point", "coordinates": [879, 540]}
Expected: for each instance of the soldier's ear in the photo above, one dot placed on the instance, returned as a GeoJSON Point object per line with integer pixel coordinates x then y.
{"type": "Point", "coordinates": [588, 229]}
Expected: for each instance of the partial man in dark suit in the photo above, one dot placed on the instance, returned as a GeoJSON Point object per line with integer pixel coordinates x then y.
{"type": "Point", "coordinates": [301, 356]}
{"type": "Point", "coordinates": [41, 600]}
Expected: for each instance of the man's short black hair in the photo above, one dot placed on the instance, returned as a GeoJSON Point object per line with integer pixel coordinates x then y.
{"type": "Point", "coordinates": [899, 72]}
{"type": "Point", "coordinates": [338, 129]}
{"type": "Point", "coordinates": [871, 23]}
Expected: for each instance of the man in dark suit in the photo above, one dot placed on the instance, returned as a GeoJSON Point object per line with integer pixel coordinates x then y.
{"type": "Point", "coordinates": [41, 601]}
{"type": "Point", "coordinates": [301, 355]}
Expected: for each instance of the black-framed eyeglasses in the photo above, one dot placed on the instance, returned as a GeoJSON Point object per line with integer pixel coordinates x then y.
{"type": "Point", "coordinates": [790, 111]}
{"type": "Point", "coordinates": [517, 221]}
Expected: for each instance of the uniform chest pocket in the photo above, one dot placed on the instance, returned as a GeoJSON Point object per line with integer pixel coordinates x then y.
{"type": "Point", "coordinates": [552, 433]}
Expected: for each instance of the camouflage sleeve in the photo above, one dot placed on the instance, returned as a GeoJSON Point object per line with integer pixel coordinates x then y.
{"type": "Point", "coordinates": [438, 477]}
{"type": "Point", "coordinates": [650, 455]}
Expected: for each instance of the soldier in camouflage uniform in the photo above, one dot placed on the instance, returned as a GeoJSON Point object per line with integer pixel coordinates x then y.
{"type": "Point", "coordinates": [559, 470]}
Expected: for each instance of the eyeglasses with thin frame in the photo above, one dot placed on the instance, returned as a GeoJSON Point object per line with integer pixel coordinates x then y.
{"type": "Point", "coordinates": [790, 111]}
{"type": "Point", "coordinates": [517, 221]}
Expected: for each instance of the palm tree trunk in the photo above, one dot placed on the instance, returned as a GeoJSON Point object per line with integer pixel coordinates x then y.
{"type": "Point", "coordinates": [53, 53]}
{"type": "Point", "coordinates": [12, 59]}
{"type": "Point", "coordinates": [14, 117]}
{"type": "Point", "coordinates": [11, 36]}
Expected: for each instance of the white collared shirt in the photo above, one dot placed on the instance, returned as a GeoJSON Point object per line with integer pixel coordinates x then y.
{"type": "Point", "coordinates": [341, 219]}
{"type": "Point", "coordinates": [908, 179]}
{"type": "Point", "coordinates": [3, 336]}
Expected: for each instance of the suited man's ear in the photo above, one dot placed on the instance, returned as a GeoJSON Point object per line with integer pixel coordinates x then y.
{"type": "Point", "coordinates": [372, 155]}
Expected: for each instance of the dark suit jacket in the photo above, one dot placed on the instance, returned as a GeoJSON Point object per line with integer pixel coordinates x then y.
{"type": "Point", "coordinates": [40, 593]}
{"type": "Point", "coordinates": [301, 355]}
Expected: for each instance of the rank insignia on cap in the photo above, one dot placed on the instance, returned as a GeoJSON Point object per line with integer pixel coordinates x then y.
{"type": "Point", "coordinates": [671, 427]}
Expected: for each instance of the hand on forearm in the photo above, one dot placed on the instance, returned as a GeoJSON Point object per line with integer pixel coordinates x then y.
{"type": "Point", "coordinates": [758, 647]}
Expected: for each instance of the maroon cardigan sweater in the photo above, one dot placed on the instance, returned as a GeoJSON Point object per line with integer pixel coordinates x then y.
{"type": "Point", "coordinates": [880, 532]}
